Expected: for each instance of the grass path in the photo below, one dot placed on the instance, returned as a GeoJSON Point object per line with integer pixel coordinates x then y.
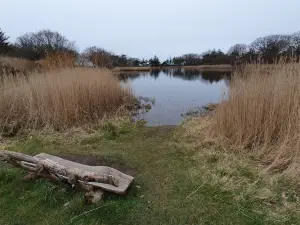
{"type": "Point", "coordinates": [177, 181]}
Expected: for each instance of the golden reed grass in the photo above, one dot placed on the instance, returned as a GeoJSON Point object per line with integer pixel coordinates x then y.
{"type": "Point", "coordinates": [58, 60]}
{"type": "Point", "coordinates": [53, 61]}
{"type": "Point", "coordinates": [16, 65]}
{"type": "Point", "coordinates": [261, 114]}
{"type": "Point", "coordinates": [60, 99]}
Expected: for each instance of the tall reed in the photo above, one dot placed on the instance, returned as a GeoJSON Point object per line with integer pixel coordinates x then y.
{"type": "Point", "coordinates": [262, 114]}
{"type": "Point", "coordinates": [60, 99]}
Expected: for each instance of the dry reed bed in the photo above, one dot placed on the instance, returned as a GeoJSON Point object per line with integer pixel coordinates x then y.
{"type": "Point", "coordinates": [17, 63]}
{"type": "Point", "coordinates": [60, 99]}
{"type": "Point", "coordinates": [262, 114]}
{"type": "Point", "coordinates": [13, 65]}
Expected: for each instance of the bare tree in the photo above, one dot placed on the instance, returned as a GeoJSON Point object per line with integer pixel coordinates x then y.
{"type": "Point", "coordinates": [238, 50]}
{"type": "Point", "coordinates": [296, 38]}
{"type": "Point", "coordinates": [295, 45]}
{"type": "Point", "coordinates": [99, 57]}
{"type": "Point", "coordinates": [271, 47]}
{"type": "Point", "coordinates": [44, 42]}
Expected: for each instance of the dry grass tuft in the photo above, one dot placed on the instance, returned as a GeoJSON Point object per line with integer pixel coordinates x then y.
{"type": "Point", "coordinates": [60, 99]}
{"type": "Point", "coordinates": [262, 114]}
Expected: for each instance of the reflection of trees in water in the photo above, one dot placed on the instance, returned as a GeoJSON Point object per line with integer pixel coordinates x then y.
{"type": "Point", "coordinates": [214, 76]}
{"type": "Point", "coordinates": [128, 76]}
{"type": "Point", "coordinates": [155, 73]}
{"type": "Point", "coordinates": [207, 77]}
{"type": "Point", "coordinates": [131, 75]}
{"type": "Point", "coordinates": [190, 74]}
{"type": "Point", "coordinates": [187, 74]}
{"type": "Point", "coordinates": [169, 72]}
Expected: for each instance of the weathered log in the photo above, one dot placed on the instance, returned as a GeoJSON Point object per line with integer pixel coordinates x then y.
{"type": "Point", "coordinates": [84, 187]}
{"type": "Point", "coordinates": [29, 166]}
{"type": "Point", "coordinates": [124, 180]}
{"type": "Point", "coordinates": [76, 173]}
{"type": "Point", "coordinates": [33, 164]}
{"type": "Point", "coordinates": [93, 197]}
{"type": "Point", "coordinates": [17, 156]}
{"type": "Point", "coordinates": [81, 176]}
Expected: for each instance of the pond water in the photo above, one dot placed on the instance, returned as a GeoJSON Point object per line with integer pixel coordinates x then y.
{"type": "Point", "coordinates": [175, 93]}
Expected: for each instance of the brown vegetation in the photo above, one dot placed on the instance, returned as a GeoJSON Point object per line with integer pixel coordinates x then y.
{"type": "Point", "coordinates": [60, 99]}
{"type": "Point", "coordinates": [53, 61]}
{"type": "Point", "coordinates": [262, 114]}
{"type": "Point", "coordinates": [11, 66]}
{"type": "Point", "coordinates": [58, 60]}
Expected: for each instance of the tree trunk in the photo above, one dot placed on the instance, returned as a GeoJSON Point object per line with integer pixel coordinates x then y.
{"type": "Point", "coordinates": [82, 176]}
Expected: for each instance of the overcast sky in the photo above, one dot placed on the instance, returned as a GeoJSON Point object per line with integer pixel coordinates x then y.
{"type": "Point", "coordinates": [143, 28]}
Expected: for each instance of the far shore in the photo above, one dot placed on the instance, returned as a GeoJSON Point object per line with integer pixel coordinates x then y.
{"type": "Point", "coordinates": [223, 67]}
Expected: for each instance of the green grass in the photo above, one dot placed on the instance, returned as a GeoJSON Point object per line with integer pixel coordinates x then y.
{"type": "Point", "coordinates": [178, 180]}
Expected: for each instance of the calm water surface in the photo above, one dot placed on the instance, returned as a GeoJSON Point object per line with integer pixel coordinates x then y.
{"type": "Point", "coordinates": [176, 92]}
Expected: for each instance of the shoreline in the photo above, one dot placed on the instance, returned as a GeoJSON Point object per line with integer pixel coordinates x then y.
{"type": "Point", "coordinates": [223, 68]}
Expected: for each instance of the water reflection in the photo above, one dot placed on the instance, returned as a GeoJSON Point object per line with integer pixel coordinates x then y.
{"type": "Point", "coordinates": [215, 77]}
{"type": "Point", "coordinates": [176, 92]}
{"type": "Point", "coordinates": [155, 73]}
{"type": "Point", "coordinates": [185, 74]}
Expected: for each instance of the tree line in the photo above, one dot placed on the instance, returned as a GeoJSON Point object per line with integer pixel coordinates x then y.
{"type": "Point", "coordinates": [38, 45]}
